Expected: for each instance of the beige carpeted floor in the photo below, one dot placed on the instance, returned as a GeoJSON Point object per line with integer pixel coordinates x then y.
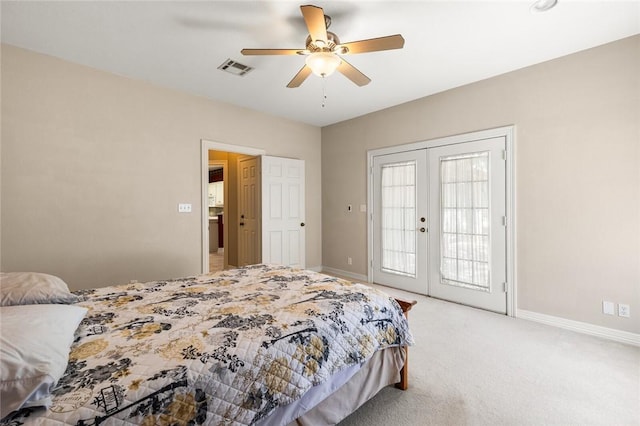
{"type": "Point", "coordinates": [471, 367]}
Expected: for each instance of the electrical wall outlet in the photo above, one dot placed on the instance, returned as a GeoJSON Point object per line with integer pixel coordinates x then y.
{"type": "Point", "coordinates": [184, 208]}
{"type": "Point", "coordinates": [624, 310]}
{"type": "Point", "coordinates": [349, 261]}
{"type": "Point", "coordinates": [608, 308]}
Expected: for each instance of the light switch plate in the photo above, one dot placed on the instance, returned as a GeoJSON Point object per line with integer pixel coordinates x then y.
{"type": "Point", "coordinates": [608, 308]}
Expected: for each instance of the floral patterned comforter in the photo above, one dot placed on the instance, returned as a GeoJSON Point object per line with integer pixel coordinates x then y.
{"type": "Point", "coordinates": [226, 348]}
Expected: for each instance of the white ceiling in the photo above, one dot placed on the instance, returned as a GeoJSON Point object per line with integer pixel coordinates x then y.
{"type": "Point", "coordinates": [180, 44]}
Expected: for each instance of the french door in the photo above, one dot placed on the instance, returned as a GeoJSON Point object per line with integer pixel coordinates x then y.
{"type": "Point", "coordinates": [399, 218]}
{"type": "Point", "coordinates": [467, 240]}
{"type": "Point", "coordinates": [438, 222]}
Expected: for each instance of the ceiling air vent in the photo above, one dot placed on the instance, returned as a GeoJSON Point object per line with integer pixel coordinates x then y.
{"type": "Point", "coordinates": [234, 67]}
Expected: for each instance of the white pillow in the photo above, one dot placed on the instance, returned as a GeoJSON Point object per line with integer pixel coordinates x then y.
{"type": "Point", "coordinates": [34, 352]}
{"type": "Point", "coordinates": [28, 288]}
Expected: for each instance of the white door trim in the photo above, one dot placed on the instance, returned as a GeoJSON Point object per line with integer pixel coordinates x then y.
{"type": "Point", "coordinates": [508, 132]}
{"type": "Point", "coordinates": [206, 146]}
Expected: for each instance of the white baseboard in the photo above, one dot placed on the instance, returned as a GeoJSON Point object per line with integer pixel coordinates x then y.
{"type": "Point", "coordinates": [582, 327]}
{"type": "Point", "coordinates": [346, 274]}
{"type": "Point", "coordinates": [314, 268]}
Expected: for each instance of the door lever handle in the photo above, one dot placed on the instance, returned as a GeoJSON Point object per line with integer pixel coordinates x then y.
{"type": "Point", "coordinates": [423, 229]}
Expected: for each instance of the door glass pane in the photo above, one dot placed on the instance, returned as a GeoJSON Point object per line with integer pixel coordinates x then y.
{"type": "Point", "coordinates": [398, 202]}
{"type": "Point", "coordinates": [464, 224]}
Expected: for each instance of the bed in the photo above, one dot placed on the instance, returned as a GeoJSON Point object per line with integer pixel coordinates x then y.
{"type": "Point", "coordinates": [263, 345]}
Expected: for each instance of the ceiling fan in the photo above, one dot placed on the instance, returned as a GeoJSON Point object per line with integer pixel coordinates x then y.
{"type": "Point", "coordinates": [323, 49]}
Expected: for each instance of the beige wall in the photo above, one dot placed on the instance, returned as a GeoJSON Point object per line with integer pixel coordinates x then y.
{"type": "Point", "coordinates": [94, 166]}
{"type": "Point", "coordinates": [577, 143]}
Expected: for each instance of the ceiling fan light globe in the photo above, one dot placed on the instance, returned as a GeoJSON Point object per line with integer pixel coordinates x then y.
{"type": "Point", "coordinates": [323, 64]}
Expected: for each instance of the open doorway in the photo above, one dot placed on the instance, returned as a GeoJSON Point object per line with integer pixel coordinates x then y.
{"type": "Point", "coordinates": [263, 209]}
{"type": "Point", "coordinates": [234, 210]}
{"type": "Point", "coordinates": [224, 217]}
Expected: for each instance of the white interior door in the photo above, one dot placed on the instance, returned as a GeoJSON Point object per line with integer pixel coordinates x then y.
{"type": "Point", "coordinates": [249, 211]}
{"type": "Point", "coordinates": [467, 223]}
{"type": "Point", "coordinates": [283, 211]}
{"type": "Point", "coordinates": [399, 220]}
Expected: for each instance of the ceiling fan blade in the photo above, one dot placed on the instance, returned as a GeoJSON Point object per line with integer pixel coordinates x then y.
{"type": "Point", "coordinates": [353, 74]}
{"type": "Point", "coordinates": [375, 44]}
{"type": "Point", "coordinates": [314, 18]}
{"type": "Point", "coordinates": [300, 77]}
{"type": "Point", "coordinates": [270, 51]}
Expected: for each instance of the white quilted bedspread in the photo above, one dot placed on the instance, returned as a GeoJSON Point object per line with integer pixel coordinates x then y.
{"type": "Point", "coordinates": [221, 349]}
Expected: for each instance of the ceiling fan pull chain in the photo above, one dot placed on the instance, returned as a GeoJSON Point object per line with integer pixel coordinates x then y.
{"type": "Point", "coordinates": [324, 92]}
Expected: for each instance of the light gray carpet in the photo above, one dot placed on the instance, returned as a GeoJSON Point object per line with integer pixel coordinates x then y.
{"type": "Point", "coordinates": [471, 367]}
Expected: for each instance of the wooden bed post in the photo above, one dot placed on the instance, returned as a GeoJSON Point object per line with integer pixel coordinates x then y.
{"type": "Point", "coordinates": [406, 306]}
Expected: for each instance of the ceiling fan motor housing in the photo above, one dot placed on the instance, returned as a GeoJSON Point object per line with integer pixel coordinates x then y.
{"type": "Point", "coordinates": [332, 44]}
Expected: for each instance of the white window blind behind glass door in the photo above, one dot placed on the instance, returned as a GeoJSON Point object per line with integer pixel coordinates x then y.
{"type": "Point", "coordinates": [398, 205]}
{"type": "Point", "coordinates": [465, 244]}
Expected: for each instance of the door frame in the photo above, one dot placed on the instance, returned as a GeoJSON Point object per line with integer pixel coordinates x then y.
{"type": "Point", "coordinates": [508, 132]}
{"type": "Point", "coordinates": [206, 146]}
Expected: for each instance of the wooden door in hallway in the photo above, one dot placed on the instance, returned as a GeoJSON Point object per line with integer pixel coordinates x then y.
{"type": "Point", "coordinates": [249, 211]}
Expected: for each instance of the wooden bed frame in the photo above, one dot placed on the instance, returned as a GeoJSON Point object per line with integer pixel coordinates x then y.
{"type": "Point", "coordinates": [403, 384]}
